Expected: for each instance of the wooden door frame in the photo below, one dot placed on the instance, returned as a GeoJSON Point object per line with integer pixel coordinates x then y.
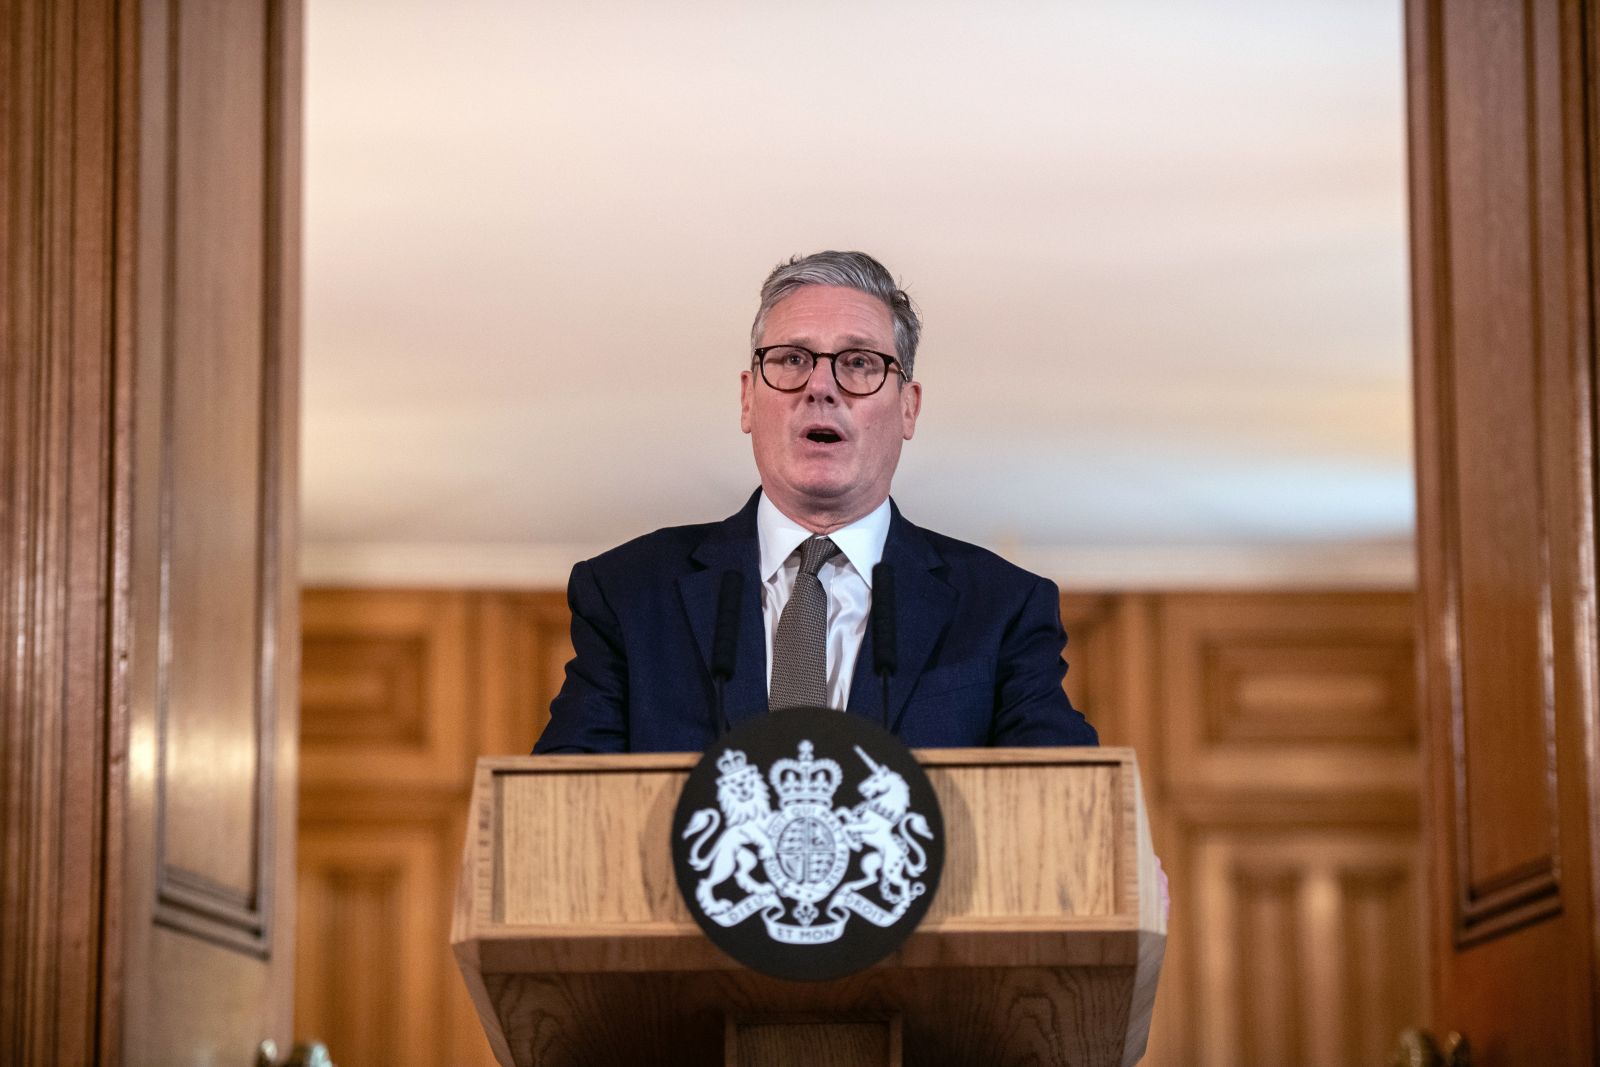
{"type": "Point", "coordinates": [66, 74]}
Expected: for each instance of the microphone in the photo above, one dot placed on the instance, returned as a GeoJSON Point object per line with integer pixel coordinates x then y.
{"type": "Point", "coordinates": [885, 655]}
{"type": "Point", "coordinates": [725, 640]}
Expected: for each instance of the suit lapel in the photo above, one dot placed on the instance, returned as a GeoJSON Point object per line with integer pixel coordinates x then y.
{"type": "Point", "coordinates": [731, 545]}
{"type": "Point", "coordinates": [924, 606]}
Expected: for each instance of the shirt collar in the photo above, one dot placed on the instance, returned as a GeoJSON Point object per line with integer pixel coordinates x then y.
{"type": "Point", "coordinates": [861, 542]}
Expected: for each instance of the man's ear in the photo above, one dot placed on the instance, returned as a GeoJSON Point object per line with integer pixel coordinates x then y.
{"type": "Point", "coordinates": [747, 388]}
{"type": "Point", "coordinates": [910, 408]}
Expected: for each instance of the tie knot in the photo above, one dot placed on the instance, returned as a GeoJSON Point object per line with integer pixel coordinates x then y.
{"type": "Point", "coordinates": [814, 552]}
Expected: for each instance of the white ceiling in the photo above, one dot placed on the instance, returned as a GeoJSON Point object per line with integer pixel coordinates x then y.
{"type": "Point", "coordinates": [1159, 248]}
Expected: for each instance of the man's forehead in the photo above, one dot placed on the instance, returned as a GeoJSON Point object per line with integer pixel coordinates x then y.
{"type": "Point", "coordinates": [846, 316]}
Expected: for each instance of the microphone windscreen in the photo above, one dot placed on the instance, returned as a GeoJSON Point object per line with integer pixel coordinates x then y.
{"type": "Point", "coordinates": [725, 640]}
{"type": "Point", "coordinates": [885, 656]}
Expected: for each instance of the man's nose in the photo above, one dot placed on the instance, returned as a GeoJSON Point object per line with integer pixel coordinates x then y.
{"type": "Point", "coordinates": [822, 387]}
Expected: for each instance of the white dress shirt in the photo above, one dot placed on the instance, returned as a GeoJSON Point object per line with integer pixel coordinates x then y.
{"type": "Point", "coordinates": [846, 578]}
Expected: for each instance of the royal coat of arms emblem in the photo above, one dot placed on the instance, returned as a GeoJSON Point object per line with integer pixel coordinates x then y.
{"type": "Point", "coordinates": [808, 867]}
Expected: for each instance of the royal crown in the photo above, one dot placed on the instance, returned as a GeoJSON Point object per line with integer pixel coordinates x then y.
{"type": "Point", "coordinates": [733, 766]}
{"type": "Point", "coordinates": [806, 780]}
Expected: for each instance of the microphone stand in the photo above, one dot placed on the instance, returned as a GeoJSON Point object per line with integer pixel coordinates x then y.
{"type": "Point", "coordinates": [725, 643]}
{"type": "Point", "coordinates": [885, 656]}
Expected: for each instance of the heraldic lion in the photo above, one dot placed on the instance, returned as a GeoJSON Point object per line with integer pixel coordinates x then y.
{"type": "Point", "coordinates": [747, 808]}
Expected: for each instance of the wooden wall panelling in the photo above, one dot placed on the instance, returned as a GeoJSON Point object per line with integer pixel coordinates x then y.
{"type": "Point", "coordinates": [1112, 678]}
{"type": "Point", "coordinates": [1308, 941]}
{"type": "Point", "coordinates": [1289, 694]}
{"type": "Point", "coordinates": [524, 645]}
{"type": "Point", "coordinates": [1249, 685]}
{"type": "Point", "coordinates": [394, 691]}
{"type": "Point", "coordinates": [365, 902]}
{"type": "Point", "coordinates": [385, 861]}
{"type": "Point", "coordinates": [388, 689]}
{"type": "Point", "coordinates": [1323, 676]}
{"type": "Point", "coordinates": [375, 979]}
{"type": "Point", "coordinates": [1091, 655]}
{"type": "Point", "coordinates": [1108, 659]}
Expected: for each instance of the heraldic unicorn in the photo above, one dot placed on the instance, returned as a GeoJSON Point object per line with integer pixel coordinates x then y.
{"type": "Point", "coordinates": [807, 849]}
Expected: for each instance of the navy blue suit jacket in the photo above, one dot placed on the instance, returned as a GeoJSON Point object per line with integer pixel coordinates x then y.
{"type": "Point", "coordinates": [979, 639]}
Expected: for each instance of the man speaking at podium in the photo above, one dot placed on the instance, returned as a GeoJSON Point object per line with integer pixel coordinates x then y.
{"type": "Point", "coordinates": [684, 631]}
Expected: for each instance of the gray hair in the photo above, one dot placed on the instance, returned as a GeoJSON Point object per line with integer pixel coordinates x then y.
{"type": "Point", "coordinates": [852, 270]}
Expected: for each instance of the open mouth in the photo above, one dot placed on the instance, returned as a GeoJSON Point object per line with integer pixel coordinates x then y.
{"type": "Point", "coordinates": [823, 437]}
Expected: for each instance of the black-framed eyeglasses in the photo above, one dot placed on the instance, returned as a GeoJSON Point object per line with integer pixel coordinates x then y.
{"type": "Point", "coordinates": [858, 371]}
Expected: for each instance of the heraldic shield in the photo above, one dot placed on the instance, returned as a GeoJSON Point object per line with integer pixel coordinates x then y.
{"type": "Point", "coordinates": [808, 843]}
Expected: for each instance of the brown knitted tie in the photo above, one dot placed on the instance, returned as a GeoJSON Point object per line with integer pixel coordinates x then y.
{"type": "Point", "coordinates": [800, 645]}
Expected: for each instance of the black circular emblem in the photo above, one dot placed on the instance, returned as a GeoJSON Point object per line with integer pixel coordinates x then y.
{"type": "Point", "coordinates": [808, 843]}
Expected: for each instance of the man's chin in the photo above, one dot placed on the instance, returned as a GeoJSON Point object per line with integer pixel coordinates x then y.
{"type": "Point", "coordinates": [820, 478]}
{"type": "Point", "coordinates": [812, 497]}
{"type": "Point", "coordinates": [825, 491]}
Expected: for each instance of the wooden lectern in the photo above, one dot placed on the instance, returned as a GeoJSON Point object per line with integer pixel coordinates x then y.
{"type": "Point", "coordinates": [1043, 945]}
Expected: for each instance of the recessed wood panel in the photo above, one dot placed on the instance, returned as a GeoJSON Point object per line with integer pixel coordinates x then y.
{"type": "Point", "coordinates": [1325, 687]}
{"type": "Point", "coordinates": [369, 978]}
{"type": "Point", "coordinates": [1269, 937]}
{"type": "Point", "coordinates": [388, 696]}
{"type": "Point", "coordinates": [219, 443]}
{"type": "Point", "coordinates": [1496, 522]}
{"type": "Point", "coordinates": [546, 852]}
{"type": "Point", "coordinates": [1306, 944]}
{"type": "Point", "coordinates": [364, 689]}
{"type": "Point", "coordinates": [373, 964]}
{"type": "Point", "coordinates": [212, 438]}
{"type": "Point", "coordinates": [1298, 693]}
{"type": "Point", "coordinates": [1381, 978]}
